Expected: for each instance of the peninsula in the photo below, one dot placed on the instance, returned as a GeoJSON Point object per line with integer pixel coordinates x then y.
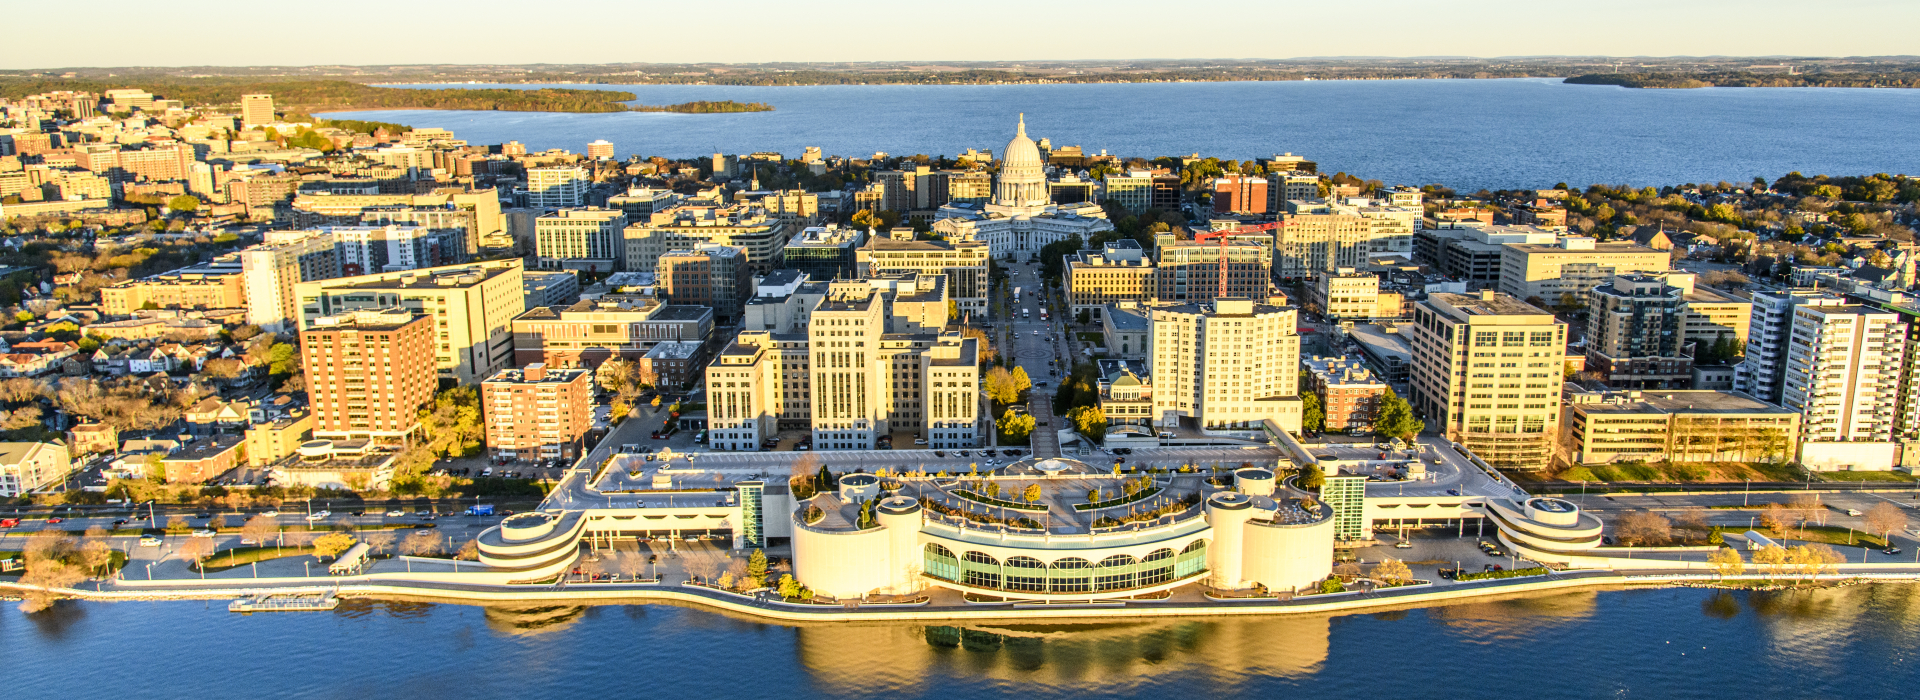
{"type": "Point", "coordinates": [312, 96]}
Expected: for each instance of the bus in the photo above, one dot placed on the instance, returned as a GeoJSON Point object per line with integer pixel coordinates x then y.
{"type": "Point", "coordinates": [1016, 295]}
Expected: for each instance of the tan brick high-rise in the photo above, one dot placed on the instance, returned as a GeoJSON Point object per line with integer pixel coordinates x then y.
{"type": "Point", "coordinates": [536, 412]}
{"type": "Point", "coordinates": [368, 373]}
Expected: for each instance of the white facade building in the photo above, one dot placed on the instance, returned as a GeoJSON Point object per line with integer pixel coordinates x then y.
{"type": "Point", "coordinates": [1021, 219]}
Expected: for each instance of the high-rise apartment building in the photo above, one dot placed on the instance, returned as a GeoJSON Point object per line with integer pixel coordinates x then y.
{"type": "Point", "coordinates": [714, 276]}
{"type": "Point", "coordinates": [1345, 294]}
{"type": "Point", "coordinates": [365, 250]}
{"type": "Point", "coordinates": [1230, 364]}
{"type": "Point", "coordinates": [368, 372]}
{"type": "Point", "coordinates": [1647, 330]}
{"type": "Point", "coordinates": [586, 239]}
{"type": "Point", "coordinates": [472, 307]}
{"type": "Point", "coordinates": [1488, 368]}
{"type": "Point", "coordinates": [1323, 235]}
{"type": "Point", "coordinates": [214, 285]}
{"type": "Point", "coordinates": [1843, 373]}
{"type": "Point", "coordinates": [537, 413]}
{"type": "Point", "coordinates": [1762, 370]}
{"type": "Point", "coordinates": [749, 227]}
{"type": "Point", "coordinates": [587, 333]}
{"type": "Point", "coordinates": [256, 110]}
{"type": "Point", "coordinates": [270, 271]}
{"type": "Point", "coordinates": [1240, 194]}
{"type": "Point", "coordinates": [557, 186]}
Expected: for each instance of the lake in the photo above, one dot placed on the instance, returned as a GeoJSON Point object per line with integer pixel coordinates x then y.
{"type": "Point", "coordinates": [1467, 134]}
{"type": "Point", "coordinates": [1857, 642]}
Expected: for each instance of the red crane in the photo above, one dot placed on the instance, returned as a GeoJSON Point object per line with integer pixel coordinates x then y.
{"type": "Point", "coordinates": [1224, 235]}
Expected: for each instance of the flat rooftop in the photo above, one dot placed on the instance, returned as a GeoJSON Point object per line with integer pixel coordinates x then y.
{"type": "Point", "coordinates": [1690, 401]}
{"type": "Point", "coordinates": [1490, 305]}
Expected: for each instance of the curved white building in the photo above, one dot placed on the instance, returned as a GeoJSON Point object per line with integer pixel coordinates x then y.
{"type": "Point", "coordinates": [1022, 217]}
{"type": "Point", "coordinates": [1279, 541]}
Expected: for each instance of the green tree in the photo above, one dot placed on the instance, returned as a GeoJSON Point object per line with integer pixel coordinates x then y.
{"type": "Point", "coordinates": [1312, 416]}
{"type": "Point", "coordinates": [757, 568]}
{"type": "Point", "coordinates": [1016, 428]}
{"type": "Point", "coordinates": [1090, 421]}
{"type": "Point", "coordinates": [453, 423]}
{"type": "Point", "coordinates": [1310, 478]}
{"type": "Point", "coordinates": [1395, 418]}
{"type": "Point", "coordinates": [184, 203]}
{"type": "Point", "coordinates": [1084, 317]}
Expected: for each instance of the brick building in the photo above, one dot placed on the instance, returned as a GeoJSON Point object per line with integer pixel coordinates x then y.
{"type": "Point", "coordinates": [537, 413]}
{"type": "Point", "coordinates": [368, 373]}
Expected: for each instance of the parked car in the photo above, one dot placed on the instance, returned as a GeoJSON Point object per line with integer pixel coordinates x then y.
{"type": "Point", "coordinates": [1403, 544]}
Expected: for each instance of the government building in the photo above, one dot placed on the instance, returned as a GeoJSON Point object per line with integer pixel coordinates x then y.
{"type": "Point", "coordinates": [1022, 218]}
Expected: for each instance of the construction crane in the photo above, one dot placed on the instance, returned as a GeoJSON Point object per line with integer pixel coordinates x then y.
{"type": "Point", "coordinates": [1224, 236]}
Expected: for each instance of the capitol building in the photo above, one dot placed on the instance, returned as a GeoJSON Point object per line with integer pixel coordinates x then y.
{"type": "Point", "coordinates": [1022, 217]}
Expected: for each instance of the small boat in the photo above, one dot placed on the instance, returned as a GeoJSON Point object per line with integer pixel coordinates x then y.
{"type": "Point", "coordinates": [284, 602]}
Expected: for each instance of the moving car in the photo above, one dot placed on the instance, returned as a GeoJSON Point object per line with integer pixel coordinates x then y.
{"type": "Point", "coordinates": [203, 533]}
{"type": "Point", "coordinates": [320, 515]}
{"type": "Point", "coordinates": [395, 513]}
{"type": "Point", "coordinates": [149, 541]}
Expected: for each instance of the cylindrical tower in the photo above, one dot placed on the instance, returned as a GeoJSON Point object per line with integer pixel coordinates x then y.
{"type": "Point", "coordinates": [1254, 481]}
{"type": "Point", "coordinates": [1228, 513]}
{"type": "Point", "coordinates": [900, 516]}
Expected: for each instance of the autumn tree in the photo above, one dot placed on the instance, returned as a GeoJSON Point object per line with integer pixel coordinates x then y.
{"type": "Point", "coordinates": [1015, 428]}
{"type": "Point", "coordinates": [1643, 528]}
{"type": "Point", "coordinates": [1884, 518]}
{"type": "Point", "coordinates": [1001, 387]}
{"type": "Point", "coordinates": [801, 479]}
{"type": "Point", "coordinates": [1032, 494]}
{"type": "Point", "coordinates": [1779, 518]}
{"type": "Point", "coordinates": [195, 551]}
{"type": "Point", "coordinates": [1772, 556]}
{"type": "Point", "coordinates": [379, 540]}
{"type": "Point", "coordinates": [1020, 380]}
{"type": "Point", "coordinates": [1392, 572]}
{"type": "Point", "coordinates": [332, 544]}
{"type": "Point", "coordinates": [453, 424]}
{"type": "Point", "coordinates": [422, 543]}
{"type": "Point", "coordinates": [1725, 562]}
{"type": "Point", "coordinates": [1808, 507]}
{"type": "Point", "coordinates": [259, 530]}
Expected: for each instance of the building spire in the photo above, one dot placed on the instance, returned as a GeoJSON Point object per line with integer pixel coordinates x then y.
{"type": "Point", "coordinates": [1023, 125]}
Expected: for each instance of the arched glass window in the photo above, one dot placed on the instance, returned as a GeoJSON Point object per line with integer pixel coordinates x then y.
{"type": "Point", "coordinates": [980, 558]}
{"type": "Point", "coordinates": [1195, 546]}
{"type": "Point", "coordinates": [1025, 563]}
{"type": "Point", "coordinates": [1071, 563]}
{"type": "Point", "coordinates": [938, 551]}
{"type": "Point", "coordinates": [980, 570]}
{"type": "Point", "coordinates": [1159, 554]}
{"type": "Point", "coordinates": [1118, 560]}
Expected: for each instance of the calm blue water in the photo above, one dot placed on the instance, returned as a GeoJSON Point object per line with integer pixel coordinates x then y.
{"type": "Point", "coordinates": [1467, 134]}
{"type": "Point", "coordinates": [1858, 642]}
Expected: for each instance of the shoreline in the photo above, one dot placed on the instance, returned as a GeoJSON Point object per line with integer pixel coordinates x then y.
{"type": "Point", "coordinates": [468, 594]}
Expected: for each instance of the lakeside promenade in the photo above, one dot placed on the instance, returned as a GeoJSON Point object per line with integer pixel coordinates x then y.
{"type": "Point", "coordinates": [952, 608]}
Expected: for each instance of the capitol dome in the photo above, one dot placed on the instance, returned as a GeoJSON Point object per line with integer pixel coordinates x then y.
{"type": "Point", "coordinates": [1021, 150]}
{"type": "Point", "coordinates": [1023, 176]}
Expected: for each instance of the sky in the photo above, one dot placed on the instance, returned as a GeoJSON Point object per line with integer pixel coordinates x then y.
{"type": "Point", "coordinates": [365, 32]}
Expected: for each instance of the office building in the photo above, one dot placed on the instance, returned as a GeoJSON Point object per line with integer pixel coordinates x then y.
{"type": "Point", "coordinates": [472, 307]}
{"type": "Point", "coordinates": [1563, 272]}
{"type": "Point", "coordinates": [588, 333]}
{"type": "Point", "coordinates": [1022, 217]}
{"type": "Point", "coordinates": [639, 203]}
{"type": "Point", "coordinates": [1604, 427]}
{"type": "Point", "coordinates": [1119, 272]}
{"type": "Point", "coordinates": [270, 270]}
{"type": "Point", "coordinates": [256, 110]}
{"type": "Point", "coordinates": [1189, 271]}
{"type": "Point", "coordinates": [1287, 187]}
{"type": "Point", "coordinates": [368, 372]}
{"type": "Point", "coordinates": [714, 276]}
{"type": "Point", "coordinates": [365, 250]}
{"type": "Point", "coordinates": [216, 285]}
{"type": "Point", "coordinates": [1230, 365]}
{"type": "Point", "coordinates": [600, 149]}
{"type": "Point", "coordinates": [1471, 252]}
{"type": "Point", "coordinates": [537, 413]}
{"type": "Point", "coordinates": [1133, 190]}
{"type": "Point", "coordinates": [550, 287]}
{"type": "Point", "coordinates": [1326, 235]}
{"type": "Point", "coordinates": [444, 207]}
{"type": "Point", "coordinates": [824, 253]}
{"type": "Point", "coordinates": [1349, 392]}
{"type": "Point", "coordinates": [963, 262]}
{"type": "Point", "coordinates": [1069, 188]}
{"type": "Point", "coordinates": [587, 239]}
{"type": "Point", "coordinates": [1346, 294]}
{"type": "Point", "coordinates": [557, 186]}
{"type": "Point", "coordinates": [748, 227]}
{"type": "Point", "coordinates": [1487, 370]}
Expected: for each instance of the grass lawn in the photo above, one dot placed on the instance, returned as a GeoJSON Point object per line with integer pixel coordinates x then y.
{"type": "Point", "coordinates": [242, 556]}
{"type": "Point", "coordinates": [1865, 476]}
{"type": "Point", "coordinates": [1830, 534]}
{"type": "Point", "coordinates": [1688, 472]}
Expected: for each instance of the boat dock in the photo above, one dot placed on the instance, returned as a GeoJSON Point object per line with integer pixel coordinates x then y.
{"type": "Point", "coordinates": [285, 602]}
